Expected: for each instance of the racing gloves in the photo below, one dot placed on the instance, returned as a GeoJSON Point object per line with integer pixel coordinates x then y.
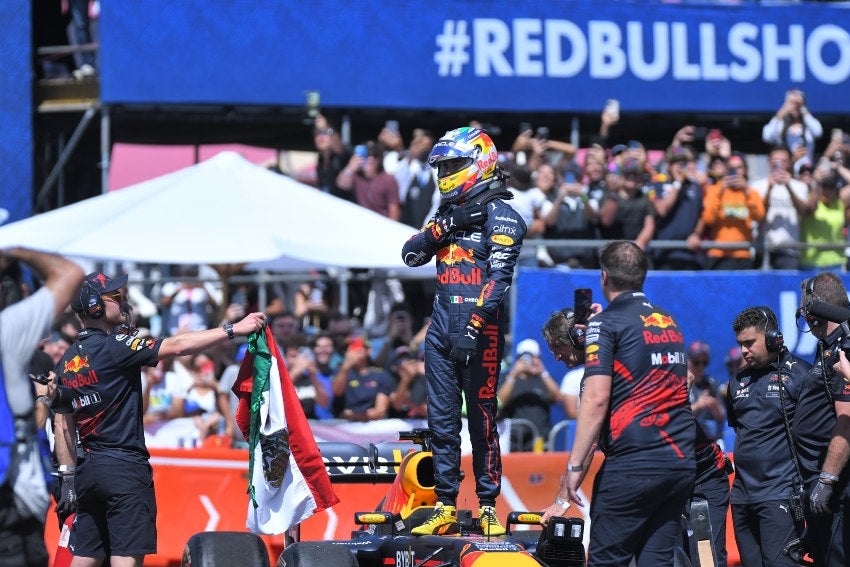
{"type": "Point", "coordinates": [819, 497]}
{"type": "Point", "coordinates": [466, 345]}
{"type": "Point", "coordinates": [67, 503]}
{"type": "Point", "coordinates": [459, 218]}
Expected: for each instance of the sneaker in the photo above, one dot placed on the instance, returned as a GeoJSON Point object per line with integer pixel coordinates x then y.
{"type": "Point", "coordinates": [490, 525]}
{"type": "Point", "coordinates": [85, 71]}
{"type": "Point", "coordinates": [443, 521]}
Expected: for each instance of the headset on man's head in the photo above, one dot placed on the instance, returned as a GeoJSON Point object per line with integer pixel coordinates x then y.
{"type": "Point", "coordinates": [773, 339]}
{"type": "Point", "coordinates": [91, 301]}
{"type": "Point", "coordinates": [576, 334]}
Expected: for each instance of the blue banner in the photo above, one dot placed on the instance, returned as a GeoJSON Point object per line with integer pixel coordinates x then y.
{"type": "Point", "coordinates": [554, 55]}
{"type": "Point", "coordinates": [16, 143]}
{"type": "Point", "coordinates": [704, 304]}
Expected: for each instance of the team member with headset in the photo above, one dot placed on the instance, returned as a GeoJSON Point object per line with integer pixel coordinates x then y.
{"type": "Point", "coordinates": [821, 425]}
{"type": "Point", "coordinates": [634, 402]}
{"type": "Point", "coordinates": [100, 387]}
{"type": "Point", "coordinates": [760, 403]}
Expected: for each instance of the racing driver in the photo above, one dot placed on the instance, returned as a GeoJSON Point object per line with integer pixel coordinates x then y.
{"type": "Point", "coordinates": [476, 238]}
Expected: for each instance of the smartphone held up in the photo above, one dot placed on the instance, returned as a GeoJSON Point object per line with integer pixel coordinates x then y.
{"type": "Point", "coordinates": [582, 300]}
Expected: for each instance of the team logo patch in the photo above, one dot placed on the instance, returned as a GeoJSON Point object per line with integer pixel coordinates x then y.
{"type": "Point", "coordinates": [658, 320]}
{"type": "Point", "coordinates": [456, 299]}
{"type": "Point", "coordinates": [502, 239]}
{"type": "Point", "coordinates": [591, 349]}
{"type": "Point", "coordinates": [77, 363]}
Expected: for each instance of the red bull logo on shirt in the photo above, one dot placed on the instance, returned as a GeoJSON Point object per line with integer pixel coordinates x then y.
{"type": "Point", "coordinates": [76, 364]}
{"type": "Point", "coordinates": [658, 320]}
{"type": "Point", "coordinates": [456, 276]}
{"type": "Point", "coordinates": [454, 254]}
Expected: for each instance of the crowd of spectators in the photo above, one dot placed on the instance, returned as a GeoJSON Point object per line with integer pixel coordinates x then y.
{"type": "Point", "coordinates": [696, 204]}
{"type": "Point", "coordinates": [707, 205]}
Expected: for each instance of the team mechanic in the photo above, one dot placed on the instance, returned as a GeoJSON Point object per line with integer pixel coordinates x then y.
{"type": "Point", "coordinates": [100, 376]}
{"type": "Point", "coordinates": [635, 403]}
{"type": "Point", "coordinates": [476, 238]}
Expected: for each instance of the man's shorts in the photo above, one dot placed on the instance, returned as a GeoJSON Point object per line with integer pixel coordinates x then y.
{"type": "Point", "coordinates": [116, 508]}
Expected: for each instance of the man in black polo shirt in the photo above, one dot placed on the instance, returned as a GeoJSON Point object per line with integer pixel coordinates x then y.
{"type": "Point", "coordinates": [100, 385]}
{"type": "Point", "coordinates": [822, 429]}
{"type": "Point", "coordinates": [761, 397]}
{"type": "Point", "coordinates": [635, 403]}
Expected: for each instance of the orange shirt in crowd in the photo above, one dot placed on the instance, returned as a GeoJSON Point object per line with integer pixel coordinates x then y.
{"type": "Point", "coordinates": [729, 215]}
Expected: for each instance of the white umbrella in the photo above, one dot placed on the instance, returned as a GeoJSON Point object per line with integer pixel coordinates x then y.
{"type": "Point", "coordinates": [225, 210]}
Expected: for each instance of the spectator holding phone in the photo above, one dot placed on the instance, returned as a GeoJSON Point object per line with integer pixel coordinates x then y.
{"type": "Point", "coordinates": [527, 391]}
{"type": "Point", "coordinates": [570, 217]}
{"type": "Point", "coordinates": [373, 188]}
{"type": "Point", "coordinates": [332, 158]}
{"type": "Point", "coordinates": [361, 391]}
{"type": "Point", "coordinates": [786, 200]}
{"type": "Point", "coordinates": [793, 126]}
{"type": "Point", "coordinates": [677, 202]}
{"type": "Point", "coordinates": [830, 185]}
{"type": "Point", "coordinates": [730, 208]}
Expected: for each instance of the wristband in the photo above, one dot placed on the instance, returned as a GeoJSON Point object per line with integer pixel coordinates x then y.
{"type": "Point", "coordinates": [561, 502]}
{"type": "Point", "coordinates": [575, 468]}
{"type": "Point", "coordinates": [67, 469]}
{"type": "Point", "coordinates": [228, 328]}
{"type": "Point", "coordinates": [828, 478]}
{"type": "Point", "coordinates": [43, 399]}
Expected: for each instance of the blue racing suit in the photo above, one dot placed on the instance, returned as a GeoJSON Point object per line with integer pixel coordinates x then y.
{"type": "Point", "coordinates": [474, 271]}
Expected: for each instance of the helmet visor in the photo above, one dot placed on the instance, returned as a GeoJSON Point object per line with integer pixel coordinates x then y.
{"type": "Point", "coordinates": [451, 166]}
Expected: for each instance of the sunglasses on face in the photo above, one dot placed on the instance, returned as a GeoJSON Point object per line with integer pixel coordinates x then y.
{"type": "Point", "coordinates": [112, 296]}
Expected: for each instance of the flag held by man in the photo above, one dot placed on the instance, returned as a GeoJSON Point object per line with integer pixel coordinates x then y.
{"type": "Point", "coordinates": [287, 482]}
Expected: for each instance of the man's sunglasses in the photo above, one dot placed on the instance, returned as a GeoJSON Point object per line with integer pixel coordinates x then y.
{"type": "Point", "coordinates": [112, 296]}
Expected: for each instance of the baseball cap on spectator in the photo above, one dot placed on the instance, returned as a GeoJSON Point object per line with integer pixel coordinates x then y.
{"type": "Point", "coordinates": [528, 346]}
{"type": "Point", "coordinates": [357, 343]}
{"type": "Point", "coordinates": [101, 284]}
{"type": "Point", "coordinates": [634, 144]}
{"type": "Point", "coordinates": [733, 355]}
{"type": "Point", "coordinates": [699, 348]}
{"type": "Point", "coordinates": [618, 149]}
{"type": "Point", "coordinates": [399, 355]}
{"type": "Point", "coordinates": [679, 153]}
{"type": "Point", "coordinates": [714, 134]}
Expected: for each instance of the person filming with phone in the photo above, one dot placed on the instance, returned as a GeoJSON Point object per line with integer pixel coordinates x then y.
{"type": "Point", "coordinates": [373, 188]}
{"type": "Point", "coordinates": [634, 404]}
{"type": "Point", "coordinates": [730, 208]}
{"type": "Point", "coordinates": [527, 391]}
{"type": "Point", "coordinates": [786, 201]}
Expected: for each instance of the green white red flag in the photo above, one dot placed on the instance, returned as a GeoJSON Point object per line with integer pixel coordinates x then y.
{"type": "Point", "coordinates": [287, 480]}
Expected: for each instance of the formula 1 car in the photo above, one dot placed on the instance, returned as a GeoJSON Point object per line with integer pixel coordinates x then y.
{"type": "Point", "coordinates": [383, 537]}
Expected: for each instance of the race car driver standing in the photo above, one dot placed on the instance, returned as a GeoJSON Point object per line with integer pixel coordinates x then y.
{"type": "Point", "coordinates": [476, 238]}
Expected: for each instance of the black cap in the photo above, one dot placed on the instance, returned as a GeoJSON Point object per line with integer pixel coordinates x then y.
{"type": "Point", "coordinates": [99, 283]}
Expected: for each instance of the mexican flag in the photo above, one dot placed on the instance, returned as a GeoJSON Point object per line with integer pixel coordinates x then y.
{"type": "Point", "coordinates": [287, 479]}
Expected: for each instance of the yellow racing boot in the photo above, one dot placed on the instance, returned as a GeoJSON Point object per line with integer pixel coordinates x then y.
{"type": "Point", "coordinates": [443, 521]}
{"type": "Point", "coordinates": [490, 525]}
